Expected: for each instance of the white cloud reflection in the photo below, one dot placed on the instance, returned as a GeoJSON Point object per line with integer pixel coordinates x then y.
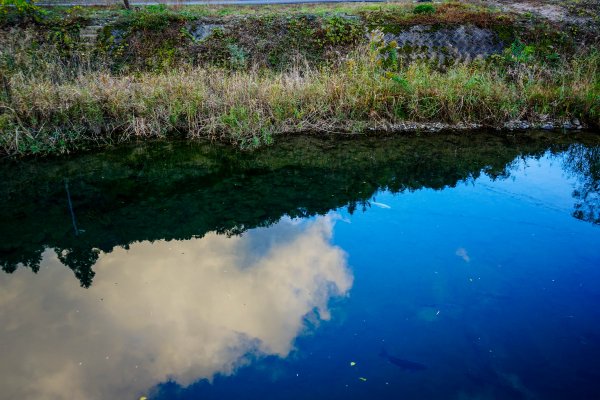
{"type": "Point", "coordinates": [183, 310]}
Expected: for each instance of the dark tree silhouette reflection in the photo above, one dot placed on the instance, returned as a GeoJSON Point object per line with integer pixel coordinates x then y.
{"type": "Point", "coordinates": [170, 190]}
{"type": "Point", "coordinates": [583, 162]}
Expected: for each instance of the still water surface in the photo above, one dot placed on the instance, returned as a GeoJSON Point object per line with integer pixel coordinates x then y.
{"type": "Point", "coordinates": [416, 268]}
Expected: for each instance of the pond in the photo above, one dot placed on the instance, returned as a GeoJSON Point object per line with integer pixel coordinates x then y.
{"type": "Point", "coordinates": [422, 267]}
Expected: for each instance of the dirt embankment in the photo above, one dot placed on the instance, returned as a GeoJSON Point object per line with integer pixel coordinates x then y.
{"type": "Point", "coordinates": [80, 77]}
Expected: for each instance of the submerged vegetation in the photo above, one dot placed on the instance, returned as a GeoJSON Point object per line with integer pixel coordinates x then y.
{"type": "Point", "coordinates": [210, 72]}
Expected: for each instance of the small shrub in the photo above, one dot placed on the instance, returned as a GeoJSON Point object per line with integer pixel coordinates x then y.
{"type": "Point", "coordinates": [154, 18]}
{"type": "Point", "coordinates": [424, 9]}
{"type": "Point", "coordinates": [76, 14]}
{"type": "Point", "coordinates": [15, 11]}
{"type": "Point", "coordinates": [339, 30]}
{"type": "Point", "coordinates": [387, 60]}
{"type": "Point", "coordinates": [238, 58]}
{"type": "Point", "coordinates": [520, 52]}
{"type": "Point", "coordinates": [385, 55]}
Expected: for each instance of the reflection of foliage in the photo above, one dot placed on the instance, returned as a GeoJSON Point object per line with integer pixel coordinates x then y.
{"type": "Point", "coordinates": [80, 260]}
{"type": "Point", "coordinates": [178, 191]}
{"type": "Point", "coordinates": [584, 163]}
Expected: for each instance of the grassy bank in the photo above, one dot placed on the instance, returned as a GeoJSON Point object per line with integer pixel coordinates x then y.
{"type": "Point", "coordinates": [59, 95]}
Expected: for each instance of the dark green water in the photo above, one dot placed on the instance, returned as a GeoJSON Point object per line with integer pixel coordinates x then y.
{"type": "Point", "coordinates": [421, 267]}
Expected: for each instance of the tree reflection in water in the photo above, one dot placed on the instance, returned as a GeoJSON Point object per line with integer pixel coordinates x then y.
{"type": "Point", "coordinates": [170, 190]}
{"type": "Point", "coordinates": [583, 163]}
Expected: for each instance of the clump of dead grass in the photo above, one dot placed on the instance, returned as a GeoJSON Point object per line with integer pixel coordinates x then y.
{"type": "Point", "coordinates": [50, 104]}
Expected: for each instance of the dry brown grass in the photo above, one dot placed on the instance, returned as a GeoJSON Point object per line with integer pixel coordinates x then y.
{"type": "Point", "coordinates": [249, 108]}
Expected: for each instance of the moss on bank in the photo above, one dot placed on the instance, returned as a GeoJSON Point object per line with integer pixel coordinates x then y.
{"type": "Point", "coordinates": [259, 72]}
